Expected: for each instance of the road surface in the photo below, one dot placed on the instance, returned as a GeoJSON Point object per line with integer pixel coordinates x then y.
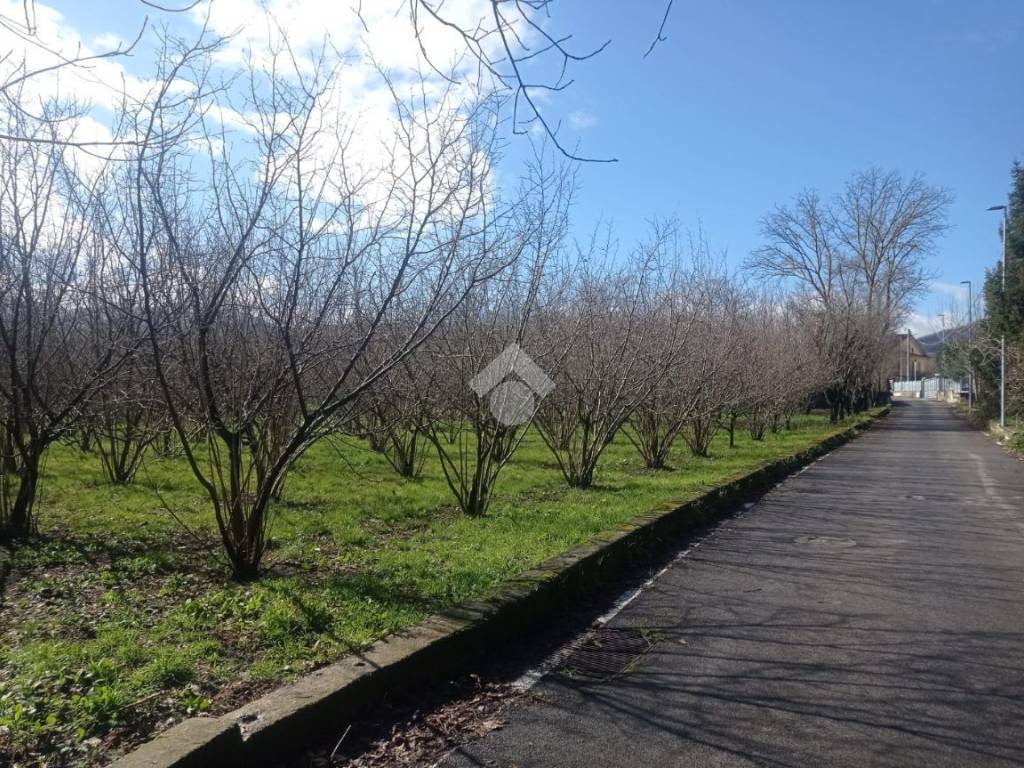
{"type": "Point", "coordinates": [869, 611]}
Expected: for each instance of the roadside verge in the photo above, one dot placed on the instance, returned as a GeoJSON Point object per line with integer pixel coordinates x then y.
{"type": "Point", "coordinates": [298, 714]}
{"type": "Point", "coordinates": [1009, 439]}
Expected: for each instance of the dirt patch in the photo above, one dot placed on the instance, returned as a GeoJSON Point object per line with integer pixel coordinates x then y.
{"type": "Point", "coordinates": [404, 734]}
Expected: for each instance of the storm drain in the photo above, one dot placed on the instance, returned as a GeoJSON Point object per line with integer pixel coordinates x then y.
{"type": "Point", "coordinates": [605, 653]}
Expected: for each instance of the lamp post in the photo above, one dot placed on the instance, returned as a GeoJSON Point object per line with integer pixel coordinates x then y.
{"type": "Point", "coordinates": [1002, 339]}
{"type": "Point", "coordinates": [942, 349]}
{"type": "Point", "coordinates": [970, 343]}
{"type": "Point", "coordinates": [908, 354]}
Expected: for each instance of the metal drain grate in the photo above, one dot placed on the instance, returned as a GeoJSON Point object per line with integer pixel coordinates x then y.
{"type": "Point", "coordinates": [605, 653]}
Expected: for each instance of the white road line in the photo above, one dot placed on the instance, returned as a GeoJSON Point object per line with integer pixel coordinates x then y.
{"type": "Point", "coordinates": [532, 676]}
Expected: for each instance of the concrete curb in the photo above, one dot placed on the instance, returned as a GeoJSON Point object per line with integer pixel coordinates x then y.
{"type": "Point", "coordinates": [301, 713]}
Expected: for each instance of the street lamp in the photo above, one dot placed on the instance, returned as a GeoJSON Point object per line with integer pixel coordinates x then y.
{"type": "Point", "coordinates": [970, 343]}
{"type": "Point", "coordinates": [942, 351]}
{"type": "Point", "coordinates": [1002, 339]}
{"type": "Point", "coordinates": [908, 354]}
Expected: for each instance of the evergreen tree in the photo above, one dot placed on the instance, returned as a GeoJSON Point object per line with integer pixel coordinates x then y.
{"type": "Point", "coordinates": [1005, 311]}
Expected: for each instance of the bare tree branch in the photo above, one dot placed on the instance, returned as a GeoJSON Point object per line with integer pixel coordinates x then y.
{"type": "Point", "coordinates": [660, 36]}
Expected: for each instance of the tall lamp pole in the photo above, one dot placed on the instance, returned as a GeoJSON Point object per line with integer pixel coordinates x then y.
{"type": "Point", "coordinates": [942, 349]}
{"type": "Point", "coordinates": [908, 354]}
{"type": "Point", "coordinates": [970, 343]}
{"type": "Point", "coordinates": [1002, 339]}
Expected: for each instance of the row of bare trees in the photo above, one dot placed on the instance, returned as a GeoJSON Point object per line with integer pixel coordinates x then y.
{"type": "Point", "coordinates": [234, 296]}
{"type": "Point", "coordinates": [855, 263]}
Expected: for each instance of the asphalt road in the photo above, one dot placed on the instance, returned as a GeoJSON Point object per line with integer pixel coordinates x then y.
{"type": "Point", "coordinates": [869, 611]}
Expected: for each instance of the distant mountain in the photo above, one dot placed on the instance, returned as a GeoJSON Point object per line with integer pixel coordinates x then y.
{"type": "Point", "coordinates": [932, 343]}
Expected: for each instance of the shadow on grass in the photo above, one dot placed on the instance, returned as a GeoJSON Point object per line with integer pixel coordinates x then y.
{"type": "Point", "coordinates": [391, 598]}
{"type": "Point", "coordinates": [179, 553]}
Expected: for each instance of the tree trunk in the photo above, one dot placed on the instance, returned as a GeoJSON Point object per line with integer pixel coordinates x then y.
{"type": "Point", "coordinates": [584, 478]}
{"type": "Point", "coordinates": [21, 522]}
{"type": "Point", "coordinates": [479, 495]}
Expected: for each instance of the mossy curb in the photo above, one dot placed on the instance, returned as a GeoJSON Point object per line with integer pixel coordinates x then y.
{"type": "Point", "coordinates": [304, 712]}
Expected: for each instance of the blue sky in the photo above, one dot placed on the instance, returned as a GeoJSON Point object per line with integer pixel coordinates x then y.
{"type": "Point", "coordinates": [748, 102]}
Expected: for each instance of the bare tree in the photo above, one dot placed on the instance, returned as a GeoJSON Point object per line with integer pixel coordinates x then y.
{"type": "Point", "coordinates": [887, 226]}
{"type": "Point", "coordinates": [781, 365]}
{"type": "Point", "coordinates": [856, 264]}
{"type": "Point", "coordinates": [39, 59]}
{"type": "Point", "coordinates": [501, 43]}
{"type": "Point", "coordinates": [396, 418]}
{"type": "Point", "coordinates": [624, 327]}
{"type": "Point", "coordinates": [800, 247]}
{"type": "Point", "coordinates": [694, 369]}
{"type": "Point", "coordinates": [511, 42]}
{"type": "Point", "coordinates": [62, 338]}
{"type": "Point", "coordinates": [481, 407]}
{"type": "Point", "coordinates": [125, 418]}
{"type": "Point", "coordinates": [297, 280]}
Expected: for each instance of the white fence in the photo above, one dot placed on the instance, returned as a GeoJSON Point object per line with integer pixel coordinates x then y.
{"type": "Point", "coordinates": [932, 388]}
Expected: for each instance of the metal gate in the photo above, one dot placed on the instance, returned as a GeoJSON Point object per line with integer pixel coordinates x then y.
{"type": "Point", "coordinates": [932, 388]}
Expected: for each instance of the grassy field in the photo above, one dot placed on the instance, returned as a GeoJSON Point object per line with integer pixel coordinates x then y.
{"type": "Point", "coordinates": [116, 622]}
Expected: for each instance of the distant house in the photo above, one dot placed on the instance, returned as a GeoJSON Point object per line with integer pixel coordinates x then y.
{"type": "Point", "coordinates": [909, 359]}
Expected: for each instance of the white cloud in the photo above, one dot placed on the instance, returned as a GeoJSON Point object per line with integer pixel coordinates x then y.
{"type": "Point", "coordinates": [580, 120]}
{"type": "Point", "coordinates": [355, 29]}
{"type": "Point", "coordinates": [952, 290]}
{"type": "Point", "coordinates": [922, 324]}
{"type": "Point", "coordinates": [109, 42]}
{"type": "Point", "coordinates": [947, 306]}
{"type": "Point", "coordinates": [376, 49]}
{"type": "Point", "coordinates": [359, 107]}
{"type": "Point", "coordinates": [42, 50]}
{"type": "Point", "coordinates": [99, 82]}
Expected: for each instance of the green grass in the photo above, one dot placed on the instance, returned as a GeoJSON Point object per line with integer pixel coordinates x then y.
{"type": "Point", "coordinates": [116, 622]}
